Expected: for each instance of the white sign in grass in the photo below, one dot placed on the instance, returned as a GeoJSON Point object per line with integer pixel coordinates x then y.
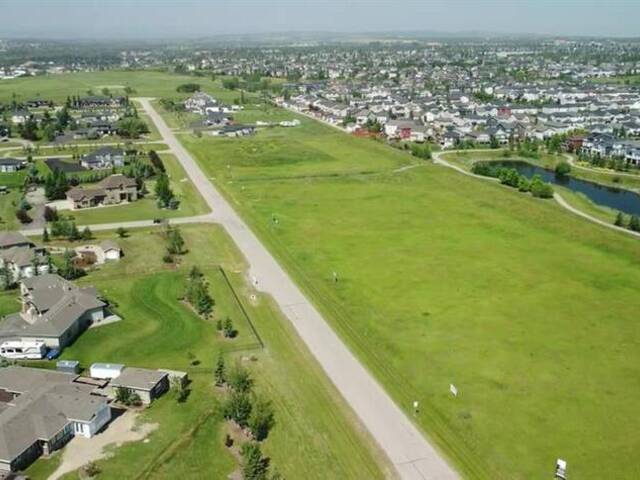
{"type": "Point", "coordinates": [453, 390]}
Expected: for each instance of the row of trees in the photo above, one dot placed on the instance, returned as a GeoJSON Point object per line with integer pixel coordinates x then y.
{"type": "Point", "coordinates": [512, 178]}
{"type": "Point", "coordinates": [612, 163]}
{"type": "Point", "coordinates": [197, 293]}
{"type": "Point", "coordinates": [64, 228]}
{"type": "Point", "coordinates": [633, 224]}
{"type": "Point", "coordinates": [249, 411]}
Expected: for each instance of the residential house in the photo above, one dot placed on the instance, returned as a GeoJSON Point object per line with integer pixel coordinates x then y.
{"type": "Point", "coordinates": [97, 101]}
{"type": "Point", "coordinates": [111, 250]}
{"type": "Point", "coordinates": [111, 190]}
{"type": "Point", "coordinates": [39, 103]}
{"type": "Point", "coordinates": [234, 131]}
{"type": "Point", "coordinates": [11, 165]}
{"type": "Point", "coordinates": [19, 117]}
{"type": "Point", "coordinates": [54, 311]}
{"type": "Point", "coordinates": [198, 102]}
{"type": "Point", "coordinates": [41, 410]}
{"type": "Point", "coordinates": [404, 130]}
{"type": "Point", "coordinates": [103, 158]}
{"type": "Point", "coordinates": [20, 257]}
{"type": "Point", "coordinates": [217, 119]}
{"type": "Point", "coordinates": [147, 384]}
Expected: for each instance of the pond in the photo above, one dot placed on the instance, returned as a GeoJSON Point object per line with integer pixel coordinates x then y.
{"type": "Point", "coordinates": [615, 198]}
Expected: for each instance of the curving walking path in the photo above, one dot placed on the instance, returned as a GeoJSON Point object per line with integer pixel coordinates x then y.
{"type": "Point", "coordinates": [437, 159]}
{"type": "Point", "coordinates": [413, 457]}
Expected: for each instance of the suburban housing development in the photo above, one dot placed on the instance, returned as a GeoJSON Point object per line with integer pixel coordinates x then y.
{"type": "Point", "coordinates": [319, 240]}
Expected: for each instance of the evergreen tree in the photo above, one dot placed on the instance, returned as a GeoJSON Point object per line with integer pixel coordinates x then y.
{"type": "Point", "coordinates": [238, 408]}
{"type": "Point", "coordinates": [220, 370]}
{"type": "Point", "coordinates": [163, 190]}
{"type": "Point", "coordinates": [175, 242]}
{"type": "Point", "coordinates": [86, 233]}
{"type": "Point", "coordinates": [239, 379]}
{"type": "Point", "coordinates": [262, 419]}
{"type": "Point", "coordinates": [619, 222]}
{"type": "Point", "coordinates": [45, 235]}
{"type": "Point", "coordinates": [74, 233]}
{"type": "Point", "coordinates": [228, 329]}
{"type": "Point", "coordinates": [634, 223]}
{"type": "Point", "coordinates": [254, 465]}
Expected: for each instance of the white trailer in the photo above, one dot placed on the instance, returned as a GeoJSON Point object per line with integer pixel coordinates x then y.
{"type": "Point", "coordinates": [23, 349]}
{"type": "Point", "coordinates": [105, 371]}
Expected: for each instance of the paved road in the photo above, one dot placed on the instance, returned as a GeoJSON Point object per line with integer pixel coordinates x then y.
{"type": "Point", "coordinates": [556, 196]}
{"type": "Point", "coordinates": [208, 218]}
{"type": "Point", "coordinates": [413, 457]}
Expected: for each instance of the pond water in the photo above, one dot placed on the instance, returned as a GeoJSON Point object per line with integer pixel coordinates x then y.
{"type": "Point", "coordinates": [614, 198]}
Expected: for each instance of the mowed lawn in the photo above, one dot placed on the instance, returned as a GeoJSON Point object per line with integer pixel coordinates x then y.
{"type": "Point", "coordinates": [191, 202]}
{"type": "Point", "coordinates": [315, 435]}
{"type": "Point", "coordinates": [530, 312]}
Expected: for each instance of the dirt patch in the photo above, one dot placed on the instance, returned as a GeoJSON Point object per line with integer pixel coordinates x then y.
{"type": "Point", "coordinates": [79, 451]}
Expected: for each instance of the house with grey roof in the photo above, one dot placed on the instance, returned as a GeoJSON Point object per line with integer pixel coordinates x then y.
{"type": "Point", "coordinates": [111, 190]}
{"type": "Point", "coordinates": [103, 158]}
{"type": "Point", "coordinates": [148, 384]}
{"type": "Point", "coordinates": [54, 311]}
{"type": "Point", "coordinates": [11, 165]}
{"type": "Point", "coordinates": [20, 257]}
{"type": "Point", "coordinates": [41, 410]}
{"type": "Point", "coordinates": [14, 239]}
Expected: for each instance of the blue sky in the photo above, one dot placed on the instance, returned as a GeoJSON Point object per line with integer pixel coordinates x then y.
{"type": "Point", "coordinates": [191, 18]}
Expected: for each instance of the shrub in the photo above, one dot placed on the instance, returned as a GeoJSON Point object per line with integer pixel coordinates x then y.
{"type": "Point", "coordinates": [237, 407]}
{"type": "Point", "coordinates": [563, 169]}
{"type": "Point", "coordinates": [188, 88]}
{"type": "Point", "coordinates": [254, 465]}
{"type": "Point", "coordinates": [229, 330]}
{"type": "Point", "coordinates": [23, 217]}
{"type": "Point", "coordinates": [50, 214]}
{"type": "Point", "coordinates": [239, 379]}
{"type": "Point", "coordinates": [540, 189]}
{"type": "Point", "coordinates": [484, 169]}
{"type": "Point", "coordinates": [261, 420]}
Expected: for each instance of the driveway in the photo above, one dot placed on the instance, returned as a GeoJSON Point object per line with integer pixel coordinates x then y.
{"type": "Point", "coordinates": [80, 451]}
{"type": "Point", "coordinates": [413, 457]}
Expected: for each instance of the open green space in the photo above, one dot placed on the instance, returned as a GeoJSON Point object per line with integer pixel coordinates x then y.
{"type": "Point", "coordinates": [309, 151]}
{"type": "Point", "coordinates": [315, 435]}
{"type": "Point", "coordinates": [58, 87]}
{"type": "Point", "coordinates": [527, 309]}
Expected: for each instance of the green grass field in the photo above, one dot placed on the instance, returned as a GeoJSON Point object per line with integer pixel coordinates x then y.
{"type": "Point", "coordinates": [575, 199]}
{"type": "Point", "coordinates": [58, 87]}
{"type": "Point", "coordinates": [159, 331]}
{"type": "Point", "coordinates": [444, 279]}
